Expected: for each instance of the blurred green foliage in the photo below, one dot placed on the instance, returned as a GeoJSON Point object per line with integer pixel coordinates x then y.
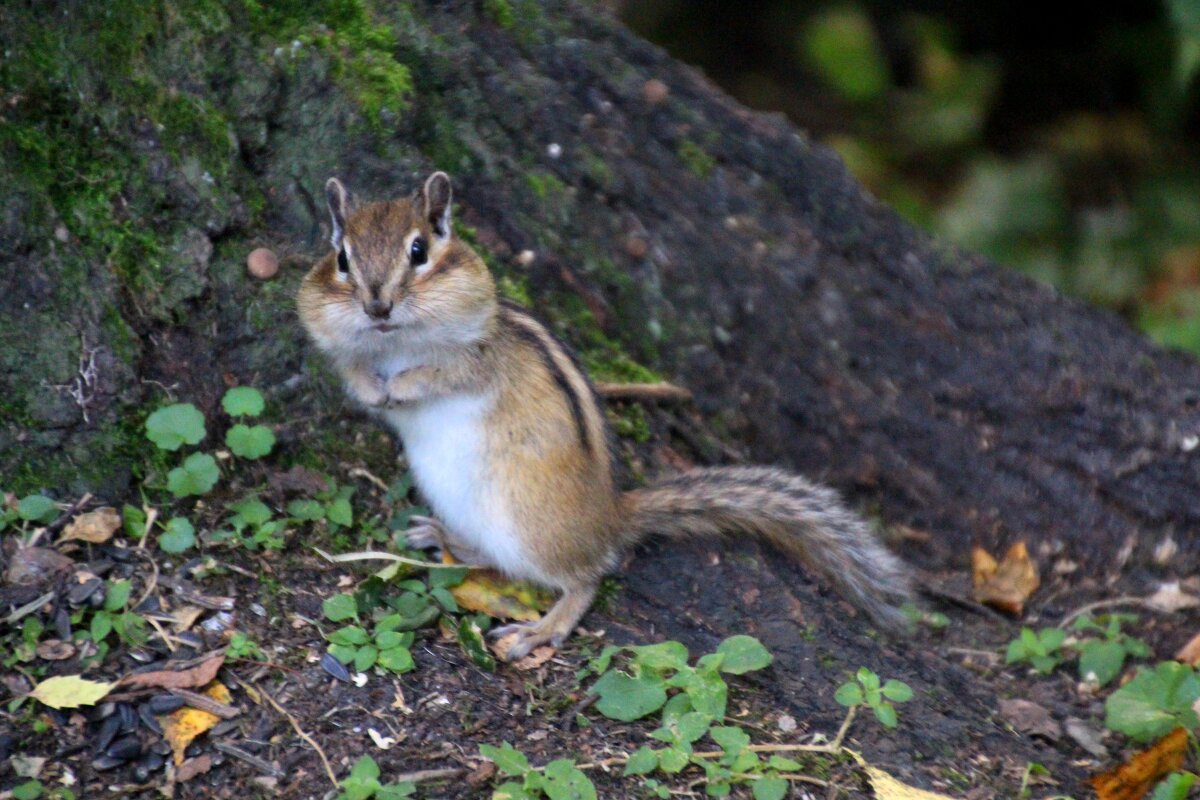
{"type": "Point", "coordinates": [1096, 192]}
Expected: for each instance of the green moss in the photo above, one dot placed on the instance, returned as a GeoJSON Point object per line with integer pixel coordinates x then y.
{"type": "Point", "coordinates": [699, 162]}
{"type": "Point", "coordinates": [501, 12]}
{"type": "Point", "coordinates": [629, 422]}
{"type": "Point", "coordinates": [547, 187]}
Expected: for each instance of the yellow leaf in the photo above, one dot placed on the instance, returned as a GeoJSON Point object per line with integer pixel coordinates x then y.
{"type": "Point", "coordinates": [1133, 779]}
{"type": "Point", "coordinates": [181, 727]}
{"type": "Point", "coordinates": [888, 788]}
{"type": "Point", "coordinates": [95, 526]}
{"type": "Point", "coordinates": [486, 592]}
{"type": "Point", "coordinates": [70, 691]}
{"type": "Point", "coordinates": [1005, 585]}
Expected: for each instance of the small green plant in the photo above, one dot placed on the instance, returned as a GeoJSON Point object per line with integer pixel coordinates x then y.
{"type": "Point", "coordinates": [385, 646]}
{"type": "Point", "coordinates": [331, 504]}
{"type": "Point", "coordinates": [242, 646]}
{"type": "Point", "coordinates": [559, 780]}
{"type": "Point", "coordinates": [197, 476]}
{"type": "Point", "coordinates": [251, 525]}
{"type": "Point", "coordinates": [30, 790]}
{"type": "Point", "coordinates": [1102, 658]}
{"type": "Point", "coordinates": [178, 535]}
{"type": "Point", "coordinates": [1155, 702]}
{"type": "Point", "coordinates": [246, 441]}
{"type": "Point", "coordinates": [114, 617]}
{"type": "Point", "coordinates": [1043, 650]}
{"type": "Point", "coordinates": [363, 783]}
{"type": "Point", "coordinates": [867, 689]}
{"type": "Point", "coordinates": [173, 426]}
{"type": "Point", "coordinates": [1175, 786]}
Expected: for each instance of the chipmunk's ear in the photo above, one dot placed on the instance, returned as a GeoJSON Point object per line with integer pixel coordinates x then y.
{"type": "Point", "coordinates": [339, 201]}
{"type": "Point", "coordinates": [435, 203]}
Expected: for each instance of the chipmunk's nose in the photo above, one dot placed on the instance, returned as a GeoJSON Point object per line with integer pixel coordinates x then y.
{"type": "Point", "coordinates": [378, 309]}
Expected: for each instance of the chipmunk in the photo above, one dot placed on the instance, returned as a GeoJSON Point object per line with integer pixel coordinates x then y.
{"type": "Point", "coordinates": [506, 438]}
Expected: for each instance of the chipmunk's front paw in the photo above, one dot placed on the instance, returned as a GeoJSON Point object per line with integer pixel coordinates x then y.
{"type": "Point", "coordinates": [425, 532]}
{"type": "Point", "coordinates": [370, 390]}
{"type": "Point", "coordinates": [526, 637]}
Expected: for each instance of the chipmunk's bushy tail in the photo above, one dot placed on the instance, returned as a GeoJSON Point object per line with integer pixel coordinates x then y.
{"type": "Point", "coordinates": [804, 520]}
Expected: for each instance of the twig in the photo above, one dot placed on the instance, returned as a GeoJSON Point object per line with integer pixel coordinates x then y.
{"type": "Point", "coordinates": [158, 628]}
{"type": "Point", "coordinates": [657, 392]}
{"type": "Point", "coordinates": [152, 584]}
{"type": "Point", "coordinates": [261, 765]}
{"type": "Point", "coordinates": [204, 703]}
{"type": "Point", "coordinates": [151, 515]}
{"type": "Point", "coordinates": [300, 732]}
{"type": "Point", "coordinates": [422, 775]}
{"type": "Point", "coordinates": [61, 521]}
{"type": "Point", "coordinates": [360, 472]}
{"type": "Point", "coordinates": [962, 602]}
{"type": "Point", "coordinates": [379, 555]}
{"type": "Point", "coordinates": [1116, 601]}
{"type": "Point", "coordinates": [29, 608]}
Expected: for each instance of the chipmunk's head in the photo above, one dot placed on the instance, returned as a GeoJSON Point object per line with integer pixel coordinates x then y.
{"type": "Point", "coordinates": [395, 269]}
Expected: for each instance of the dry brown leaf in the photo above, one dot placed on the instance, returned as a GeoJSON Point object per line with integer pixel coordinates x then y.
{"type": "Point", "coordinates": [1005, 585]}
{"type": "Point", "coordinates": [539, 656]}
{"type": "Point", "coordinates": [888, 788]}
{"type": "Point", "coordinates": [185, 617]}
{"type": "Point", "coordinates": [1028, 717]}
{"type": "Point", "coordinates": [1190, 652]}
{"type": "Point", "coordinates": [181, 727]}
{"type": "Point", "coordinates": [193, 767]}
{"type": "Point", "coordinates": [1131, 780]}
{"type": "Point", "coordinates": [487, 592]}
{"type": "Point", "coordinates": [1170, 598]}
{"type": "Point", "coordinates": [55, 650]}
{"type": "Point", "coordinates": [95, 526]}
{"type": "Point", "coordinates": [190, 678]}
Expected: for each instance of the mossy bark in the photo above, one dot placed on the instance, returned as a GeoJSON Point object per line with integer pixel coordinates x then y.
{"type": "Point", "coordinates": [148, 146]}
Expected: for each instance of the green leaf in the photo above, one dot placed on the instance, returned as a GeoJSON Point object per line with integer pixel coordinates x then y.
{"type": "Point", "coordinates": [173, 426]}
{"type": "Point", "coordinates": [564, 781]}
{"type": "Point", "coordinates": [365, 658]}
{"type": "Point", "coordinates": [673, 759]}
{"type": "Point", "coordinates": [344, 653]}
{"type": "Point", "coordinates": [243, 401]}
{"type": "Point", "coordinates": [133, 519]}
{"type": "Point", "coordinates": [770, 788]}
{"type": "Point", "coordinates": [643, 760]}
{"type": "Point", "coordinates": [178, 535]}
{"type": "Point", "coordinates": [1101, 661]}
{"type": "Point", "coordinates": [339, 512]}
{"type": "Point", "coordinates": [339, 607]}
{"type": "Point", "coordinates": [783, 763]}
{"type": "Point", "coordinates": [30, 790]}
{"type": "Point", "coordinates": [306, 510]}
{"type": "Point", "coordinates": [394, 791]}
{"type": "Point", "coordinates": [885, 712]}
{"type": "Point", "coordinates": [1155, 702]}
{"type": "Point", "coordinates": [470, 638]}
{"type": "Point", "coordinates": [507, 760]}
{"type": "Point", "coordinates": [842, 46]}
{"type": "Point", "coordinates": [732, 740]}
{"type": "Point", "coordinates": [252, 510]}
{"type": "Point", "coordinates": [444, 599]}
{"type": "Point", "coordinates": [386, 640]}
{"type": "Point", "coordinates": [512, 791]}
{"type": "Point", "coordinates": [625, 698]}
{"type": "Point", "coordinates": [352, 635]}
{"type": "Point", "coordinates": [743, 654]}
{"type": "Point", "coordinates": [1173, 787]}
{"type": "Point", "coordinates": [364, 769]}
{"type": "Point", "coordinates": [446, 578]}
{"type": "Point", "coordinates": [197, 476]}
{"type": "Point", "coordinates": [37, 508]}
{"type": "Point", "coordinates": [101, 626]}
{"type": "Point", "coordinates": [691, 726]}
{"type": "Point", "coordinates": [117, 595]}
{"type": "Point", "coordinates": [849, 694]}
{"type": "Point", "coordinates": [396, 659]}
{"type": "Point", "coordinates": [708, 694]}
{"type": "Point", "coordinates": [897, 691]}
{"type": "Point", "coordinates": [249, 441]}
{"type": "Point", "coordinates": [664, 655]}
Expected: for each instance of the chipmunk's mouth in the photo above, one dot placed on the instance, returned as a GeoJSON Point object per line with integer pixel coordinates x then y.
{"type": "Point", "coordinates": [384, 327]}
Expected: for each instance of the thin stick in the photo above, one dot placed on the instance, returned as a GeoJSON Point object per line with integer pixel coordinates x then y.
{"type": "Point", "coordinates": [261, 765]}
{"type": "Point", "coordinates": [29, 608]}
{"type": "Point", "coordinates": [360, 472]}
{"type": "Point", "coordinates": [422, 775]}
{"type": "Point", "coordinates": [61, 521]}
{"type": "Point", "coordinates": [379, 555]}
{"type": "Point", "coordinates": [657, 392]}
{"type": "Point", "coordinates": [1116, 601]}
{"type": "Point", "coordinates": [151, 516]}
{"type": "Point", "coordinates": [205, 703]}
{"type": "Point", "coordinates": [153, 582]}
{"type": "Point", "coordinates": [167, 639]}
{"type": "Point", "coordinates": [300, 732]}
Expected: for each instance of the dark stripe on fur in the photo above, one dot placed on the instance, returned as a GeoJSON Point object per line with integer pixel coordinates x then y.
{"type": "Point", "coordinates": [560, 379]}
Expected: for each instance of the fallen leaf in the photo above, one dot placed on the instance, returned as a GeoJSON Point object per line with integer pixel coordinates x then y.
{"type": "Point", "coordinates": [180, 728]}
{"type": "Point", "coordinates": [55, 650]}
{"type": "Point", "coordinates": [185, 617]}
{"type": "Point", "coordinates": [1005, 585]}
{"type": "Point", "coordinates": [1085, 736]}
{"type": "Point", "coordinates": [1170, 598]}
{"type": "Point", "coordinates": [888, 788]}
{"type": "Point", "coordinates": [95, 526]}
{"type": "Point", "coordinates": [36, 566]}
{"type": "Point", "coordinates": [486, 592]}
{"type": "Point", "coordinates": [1131, 780]}
{"type": "Point", "coordinates": [198, 675]}
{"type": "Point", "coordinates": [26, 766]}
{"type": "Point", "coordinates": [1190, 652]}
{"type": "Point", "coordinates": [381, 741]}
{"type": "Point", "coordinates": [1030, 718]}
{"type": "Point", "coordinates": [193, 767]}
{"type": "Point", "coordinates": [539, 656]}
{"type": "Point", "coordinates": [70, 691]}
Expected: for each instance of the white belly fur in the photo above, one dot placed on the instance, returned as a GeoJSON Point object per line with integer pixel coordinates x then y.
{"type": "Point", "coordinates": [444, 440]}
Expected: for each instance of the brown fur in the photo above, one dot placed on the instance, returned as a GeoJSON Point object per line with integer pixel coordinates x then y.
{"type": "Point", "coordinates": [545, 434]}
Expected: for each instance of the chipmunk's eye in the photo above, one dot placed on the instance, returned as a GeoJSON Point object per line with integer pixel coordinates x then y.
{"type": "Point", "coordinates": [343, 262]}
{"type": "Point", "coordinates": [416, 252]}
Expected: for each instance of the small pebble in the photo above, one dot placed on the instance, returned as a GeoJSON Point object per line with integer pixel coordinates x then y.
{"type": "Point", "coordinates": [636, 246]}
{"type": "Point", "coordinates": [526, 257]}
{"type": "Point", "coordinates": [554, 150]}
{"type": "Point", "coordinates": [262, 263]}
{"type": "Point", "coordinates": [655, 91]}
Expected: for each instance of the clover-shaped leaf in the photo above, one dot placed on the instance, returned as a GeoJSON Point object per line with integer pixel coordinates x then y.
{"type": "Point", "coordinates": [175, 425]}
